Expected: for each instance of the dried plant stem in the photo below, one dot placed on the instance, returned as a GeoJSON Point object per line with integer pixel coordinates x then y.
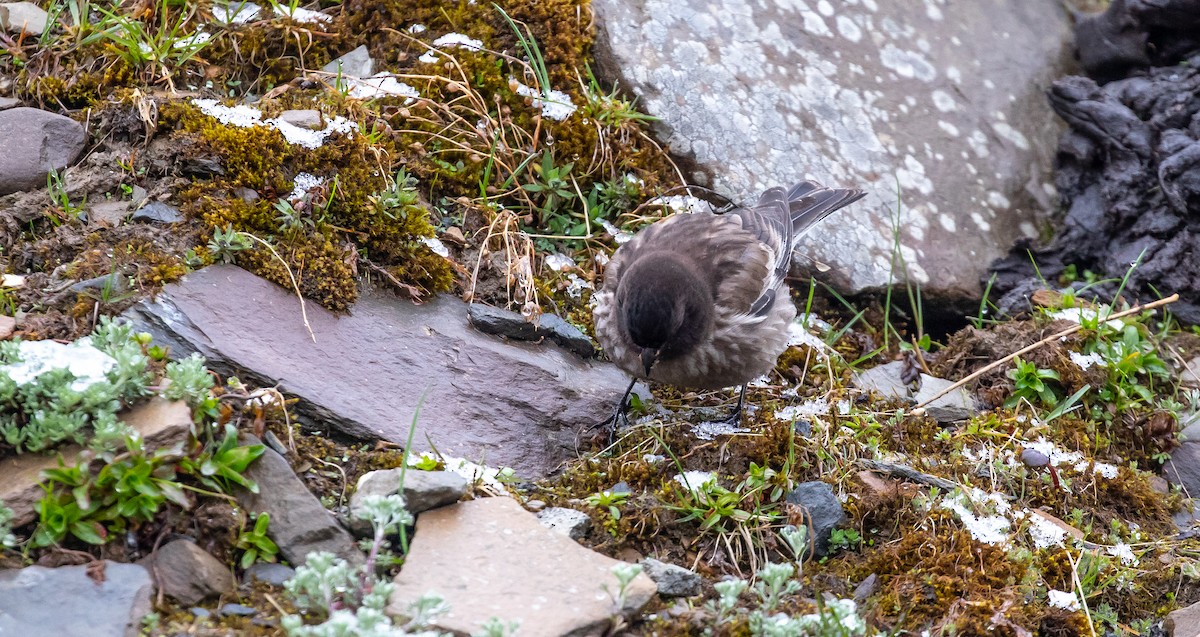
{"type": "Point", "coordinates": [920, 409]}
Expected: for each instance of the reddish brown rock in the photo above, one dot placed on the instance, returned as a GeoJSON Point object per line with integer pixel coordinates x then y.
{"type": "Point", "coordinates": [491, 558]}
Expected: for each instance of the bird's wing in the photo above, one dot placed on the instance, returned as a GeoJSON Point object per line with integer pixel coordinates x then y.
{"type": "Point", "coordinates": [780, 218]}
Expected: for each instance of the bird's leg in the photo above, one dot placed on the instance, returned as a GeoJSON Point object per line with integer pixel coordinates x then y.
{"type": "Point", "coordinates": [735, 416]}
{"type": "Point", "coordinates": [614, 421]}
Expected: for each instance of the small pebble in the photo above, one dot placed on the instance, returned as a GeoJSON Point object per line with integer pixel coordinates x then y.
{"type": "Point", "coordinates": [1034, 459]}
{"type": "Point", "coordinates": [238, 609]}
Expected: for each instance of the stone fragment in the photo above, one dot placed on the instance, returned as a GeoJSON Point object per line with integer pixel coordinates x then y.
{"type": "Point", "coordinates": [303, 118]}
{"type": "Point", "coordinates": [954, 406]}
{"type": "Point", "coordinates": [108, 214]}
{"type": "Point", "coordinates": [299, 524]}
{"type": "Point", "coordinates": [423, 490]}
{"type": "Point", "coordinates": [8, 102]}
{"type": "Point", "coordinates": [356, 63]}
{"type": "Point", "coordinates": [1183, 468]}
{"type": "Point", "coordinates": [519, 405]}
{"type": "Point", "coordinates": [268, 573]}
{"type": "Point", "coordinates": [158, 212]}
{"type": "Point", "coordinates": [491, 558]}
{"type": "Point", "coordinates": [501, 322]}
{"type": "Point", "coordinates": [570, 522]}
{"type": "Point", "coordinates": [884, 380]}
{"type": "Point", "coordinates": [16, 17]}
{"type": "Point", "coordinates": [188, 573]}
{"type": "Point", "coordinates": [35, 142]}
{"type": "Point", "coordinates": [105, 599]}
{"type": "Point", "coordinates": [1190, 376]}
{"type": "Point", "coordinates": [1184, 622]}
{"type": "Point", "coordinates": [8, 325]}
{"type": "Point", "coordinates": [672, 580]}
{"type": "Point", "coordinates": [822, 512]}
{"type": "Point", "coordinates": [161, 423]}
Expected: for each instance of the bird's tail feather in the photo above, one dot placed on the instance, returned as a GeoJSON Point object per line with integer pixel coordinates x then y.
{"type": "Point", "coordinates": [809, 203]}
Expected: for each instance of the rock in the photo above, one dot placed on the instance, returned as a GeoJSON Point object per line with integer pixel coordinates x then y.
{"type": "Point", "coordinates": [571, 523]}
{"type": "Point", "coordinates": [1190, 376]}
{"type": "Point", "coordinates": [501, 322]}
{"type": "Point", "coordinates": [1134, 34]}
{"type": "Point", "coordinates": [1191, 428]}
{"type": "Point", "coordinates": [36, 142]}
{"type": "Point", "coordinates": [104, 599]}
{"type": "Point", "coordinates": [8, 325]}
{"type": "Point", "coordinates": [299, 524]}
{"type": "Point", "coordinates": [866, 588]}
{"type": "Point", "coordinates": [1184, 622]}
{"type": "Point", "coordinates": [672, 580]}
{"type": "Point", "coordinates": [423, 490]}
{"type": "Point", "coordinates": [514, 404]}
{"type": "Point", "coordinates": [303, 118]}
{"type": "Point", "coordinates": [96, 286]}
{"type": "Point", "coordinates": [884, 380]}
{"type": "Point", "coordinates": [109, 214]}
{"type": "Point", "coordinates": [940, 103]}
{"type": "Point", "coordinates": [357, 63]}
{"type": "Point", "coordinates": [957, 405]}
{"type": "Point", "coordinates": [1183, 468]}
{"type": "Point", "coordinates": [1123, 135]}
{"type": "Point", "coordinates": [8, 102]}
{"type": "Point", "coordinates": [160, 423]}
{"type": "Point", "coordinates": [237, 610]}
{"type": "Point", "coordinates": [491, 558]}
{"type": "Point", "coordinates": [268, 573]}
{"type": "Point", "coordinates": [187, 573]}
{"type": "Point", "coordinates": [1034, 459]}
{"type": "Point", "coordinates": [16, 17]}
{"type": "Point", "coordinates": [158, 212]}
{"type": "Point", "coordinates": [822, 512]}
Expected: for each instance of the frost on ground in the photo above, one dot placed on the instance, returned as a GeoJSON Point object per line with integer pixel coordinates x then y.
{"type": "Point", "coordinates": [243, 116]}
{"type": "Point", "coordinates": [86, 363]}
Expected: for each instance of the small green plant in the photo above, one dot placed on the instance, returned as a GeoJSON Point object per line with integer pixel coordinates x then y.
{"type": "Point", "coordinates": [716, 507]}
{"type": "Point", "coordinates": [608, 500]}
{"type": "Point", "coordinates": [222, 466]}
{"type": "Point", "coordinates": [553, 187]}
{"type": "Point", "coordinates": [7, 539]}
{"type": "Point", "coordinates": [610, 109]}
{"type": "Point", "coordinates": [625, 574]}
{"type": "Point", "coordinates": [844, 539]}
{"type": "Point", "coordinates": [776, 582]}
{"type": "Point", "coordinates": [60, 199]}
{"type": "Point", "coordinates": [290, 220]}
{"type": "Point", "coordinates": [162, 48]}
{"type": "Point", "coordinates": [226, 243]}
{"type": "Point", "coordinates": [1031, 382]}
{"type": "Point", "coordinates": [254, 543]}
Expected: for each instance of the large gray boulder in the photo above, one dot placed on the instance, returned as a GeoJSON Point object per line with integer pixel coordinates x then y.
{"type": "Point", "coordinates": [103, 599]}
{"type": "Point", "coordinates": [938, 103]}
{"type": "Point", "coordinates": [32, 143]}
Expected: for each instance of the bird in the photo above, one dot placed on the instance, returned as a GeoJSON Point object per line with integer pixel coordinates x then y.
{"type": "Point", "coordinates": [700, 300]}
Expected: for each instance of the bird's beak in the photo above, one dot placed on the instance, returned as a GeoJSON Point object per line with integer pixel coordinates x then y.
{"type": "Point", "coordinates": [649, 358]}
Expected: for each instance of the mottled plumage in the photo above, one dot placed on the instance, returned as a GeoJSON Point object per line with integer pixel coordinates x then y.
{"type": "Point", "coordinates": [699, 300]}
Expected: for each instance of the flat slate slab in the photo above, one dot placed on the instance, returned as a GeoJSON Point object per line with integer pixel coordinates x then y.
{"type": "Point", "coordinates": [491, 558]}
{"type": "Point", "coordinates": [520, 405]}
{"type": "Point", "coordinates": [105, 599]}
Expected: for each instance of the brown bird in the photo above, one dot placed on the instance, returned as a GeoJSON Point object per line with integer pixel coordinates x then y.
{"type": "Point", "coordinates": [700, 300]}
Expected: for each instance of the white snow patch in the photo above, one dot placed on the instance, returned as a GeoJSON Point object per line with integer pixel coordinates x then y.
{"type": "Point", "coordinates": [303, 183]}
{"type": "Point", "coordinates": [436, 245]}
{"type": "Point", "coordinates": [710, 429]}
{"type": "Point", "coordinates": [686, 204]}
{"type": "Point", "coordinates": [554, 104]}
{"type": "Point", "coordinates": [243, 116]}
{"type": "Point", "coordinates": [1085, 361]}
{"type": "Point", "coordinates": [1123, 551]}
{"type": "Point", "coordinates": [559, 262]}
{"type": "Point", "coordinates": [988, 529]}
{"type": "Point", "coordinates": [459, 40]}
{"type": "Point", "coordinates": [798, 334]}
{"type": "Point", "coordinates": [236, 12]}
{"type": "Point", "coordinates": [817, 407]}
{"type": "Point", "coordinates": [1080, 314]}
{"type": "Point", "coordinates": [1045, 533]}
{"type": "Point", "coordinates": [381, 85]}
{"type": "Point", "coordinates": [1063, 599]}
{"type": "Point", "coordinates": [694, 479]}
{"type": "Point", "coordinates": [618, 235]}
{"type": "Point", "coordinates": [86, 363]}
{"type": "Point", "coordinates": [417, 28]}
{"type": "Point", "coordinates": [302, 15]}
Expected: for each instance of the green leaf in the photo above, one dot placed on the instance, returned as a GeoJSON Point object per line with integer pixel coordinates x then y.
{"type": "Point", "coordinates": [89, 532]}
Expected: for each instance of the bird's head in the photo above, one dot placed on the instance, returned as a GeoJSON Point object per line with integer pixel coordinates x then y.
{"type": "Point", "coordinates": [666, 307]}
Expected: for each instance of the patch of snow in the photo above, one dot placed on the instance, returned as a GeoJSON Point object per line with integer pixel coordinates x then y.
{"type": "Point", "coordinates": [417, 28]}
{"type": "Point", "coordinates": [682, 203]}
{"type": "Point", "coordinates": [1123, 551]}
{"type": "Point", "coordinates": [459, 40]}
{"type": "Point", "coordinates": [236, 12]}
{"type": "Point", "coordinates": [302, 15]}
{"type": "Point", "coordinates": [1057, 456]}
{"type": "Point", "coordinates": [559, 262]}
{"type": "Point", "coordinates": [436, 245]}
{"type": "Point", "coordinates": [618, 235]}
{"type": "Point", "coordinates": [694, 479]}
{"type": "Point", "coordinates": [554, 104]}
{"type": "Point", "coordinates": [1045, 533]}
{"type": "Point", "coordinates": [243, 116]}
{"type": "Point", "coordinates": [381, 85]}
{"type": "Point", "coordinates": [303, 183]}
{"type": "Point", "coordinates": [1105, 470]}
{"type": "Point", "coordinates": [709, 430]}
{"type": "Point", "coordinates": [475, 472]}
{"type": "Point", "coordinates": [988, 529]}
{"type": "Point", "coordinates": [798, 334]}
{"type": "Point", "coordinates": [429, 57]}
{"type": "Point", "coordinates": [650, 458]}
{"type": "Point", "coordinates": [1080, 314]}
{"type": "Point", "coordinates": [816, 407]}
{"type": "Point", "coordinates": [1085, 361]}
{"type": "Point", "coordinates": [576, 285]}
{"type": "Point", "coordinates": [195, 40]}
{"type": "Point", "coordinates": [1063, 599]}
{"type": "Point", "coordinates": [86, 363]}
